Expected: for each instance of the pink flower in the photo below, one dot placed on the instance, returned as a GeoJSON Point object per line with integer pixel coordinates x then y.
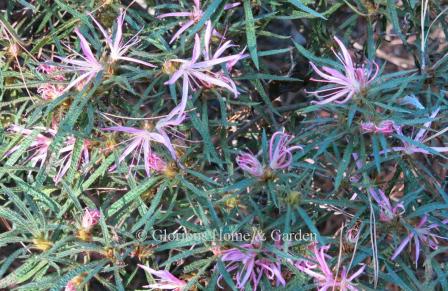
{"type": "Point", "coordinates": [39, 146]}
{"type": "Point", "coordinates": [140, 143]}
{"type": "Point", "coordinates": [352, 234]}
{"type": "Point", "coordinates": [65, 157]}
{"type": "Point", "coordinates": [165, 281]}
{"type": "Point", "coordinates": [49, 91]}
{"type": "Point", "coordinates": [352, 82]}
{"type": "Point", "coordinates": [423, 233]}
{"type": "Point", "coordinates": [71, 286]}
{"type": "Point", "coordinates": [87, 64]}
{"type": "Point", "coordinates": [52, 72]}
{"type": "Point", "coordinates": [90, 218]}
{"type": "Point", "coordinates": [321, 272]}
{"type": "Point", "coordinates": [409, 148]}
{"type": "Point", "coordinates": [116, 45]}
{"type": "Point", "coordinates": [280, 155]}
{"type": "Point", "coordinates": [156, 163]}
{"type": "Point", "coordinates": [198, 74]}
{"type": "Point", "coordinates": [166, 126]}
{"type": "Point", "coordinates": [385, 127]}
{"type": "Point", "coordinates": [250, 266]}
{"type": "Point", "coordinates": [368, 127]}
{"type": "Point", "coordinates": [249, 163]}
{"type": "Point", "coordinates": [194, 16]}
{"type": "Point", "coordinates": [387, 212]}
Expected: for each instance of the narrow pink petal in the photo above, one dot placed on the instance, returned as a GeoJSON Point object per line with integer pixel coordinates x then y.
{"type": "Point", "coordinates": [184, 27]}
{"type": "Point", "coordinates": [85, 47]}
{"type": "Point", "coordinates": [328, 77]}
{"type": "Point", "coordinates": [419, 136]}
{"type": "Point", "coordinates": [207, 39]}
{"type": "Point", "coordinates": [175, 14]}
{"type": "Point", "coordinates": [440, 149]}
{"type": "Point", "coordinates": [131, 130]}
{"type": "Point", "coordinates": [223, 48]}
{"type": "Point", "coordinates": [357, 273]}
{"type": "Point", "coordinates": [103, 31]}
{"type": "Point", "coordinates": [76, 81]}
{"type": "Point", "coordinates": [417, 249]}
{"type": "Point", "coordinates": [334, 97]}
{"type": "Point", "coordinates": [210, 63]}
{"type": "Point", "coordinates": [231, 5]}
{"type": "Point", "coordinates": [179, 73]}
{"type": "Point", "coordinates": [136, 142]}
{"type": "Point", "coordinates": [401, 246]}
{"type": "Point", "coordinates": [196, 49]}
{"type": "Point", "coordinates": [208, 79]}
{"type": "Point", "coordinates": [197, 4]}
{"type": "Point", "coordinates": [347, 58]}
{"type": "Point", "coordinates": [134, 60]}
{"type": "Point", "coordinates": [119, 33]}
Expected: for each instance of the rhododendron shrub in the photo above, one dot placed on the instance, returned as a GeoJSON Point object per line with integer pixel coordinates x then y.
{"type": "Point", "coordinates": [223, 145]}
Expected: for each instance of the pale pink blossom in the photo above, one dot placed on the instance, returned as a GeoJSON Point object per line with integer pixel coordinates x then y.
{"type": "Point", "coordinates": [423, 233]}
{"type": "Point", "coordinates": [352, 81]}
{"type": "Point", "coordinates": [411, 148]}
{"type": "Point", "coordinates": [90, 218]}
{"type": "Point", "coordinates": [250, 267]}
{"type": "Point", "coordinates": [165, 280]}
{"type": "Point", "coordinates": [48, 90]}
{"type": "Point", "coordinates": [352, 234]}
{"type": "Point", "coordinates": [368, 127]}
{"type": "Point", "coordinates": [65, 156]}
{"type": "Point", "coordinates": [167, 126]}
{"type": "Point", "coordinates": [156, 163]}
{"type": "Point", "coordinates": [40, 145]}
{"type": "Point", "coordinates": [280, 154]}
{"type": "Point", "coordinates": [140, 144]}
{"type": "Point", "coordinates": [86, 64]}
{"type": "Point", "coordinates": [118, 48]}
{"type": "Point", "coordinates": [324, 277]}
{"type": "Point", "coordinates": [199, 74]}
{"type": "Point", "coordinates": [250, 164]}
{"type": "Point", "coordinates": [194, 16]}
{"type": "Point", "coordinates": [71, 286]}
{"type": "Point", "coordinates": [385, 127]}
{"type": "Point", "coordinates": [53, 72]}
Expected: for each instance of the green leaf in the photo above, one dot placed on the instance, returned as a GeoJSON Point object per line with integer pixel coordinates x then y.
{"type": "Point", "coordinates": [88, 268]}
{"type": "Point", "coordinates": [392, 9]}
{"type": "Point", "coordinates": [22, 273]}
{"type": "Point", "coordinates": [302, 6]}
{"type": "Point", "coordinates": [343, 165]}
{"type": "Point", "coordinates": [250, 32]}
{"type": "Point", "coordinates": [130, 196]}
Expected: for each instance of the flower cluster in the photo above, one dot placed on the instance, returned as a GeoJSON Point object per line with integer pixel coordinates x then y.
{"type": "Point", "coordinates": [325, 278]}
{"type": "Point", "coordinates": [41, 139]}
{"type": "Point", "coordinates": [204, 120]}
{"type": "Point", "coordinates": [252, 262]}
{"type": "Point", "coordinates": [353, 81]}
